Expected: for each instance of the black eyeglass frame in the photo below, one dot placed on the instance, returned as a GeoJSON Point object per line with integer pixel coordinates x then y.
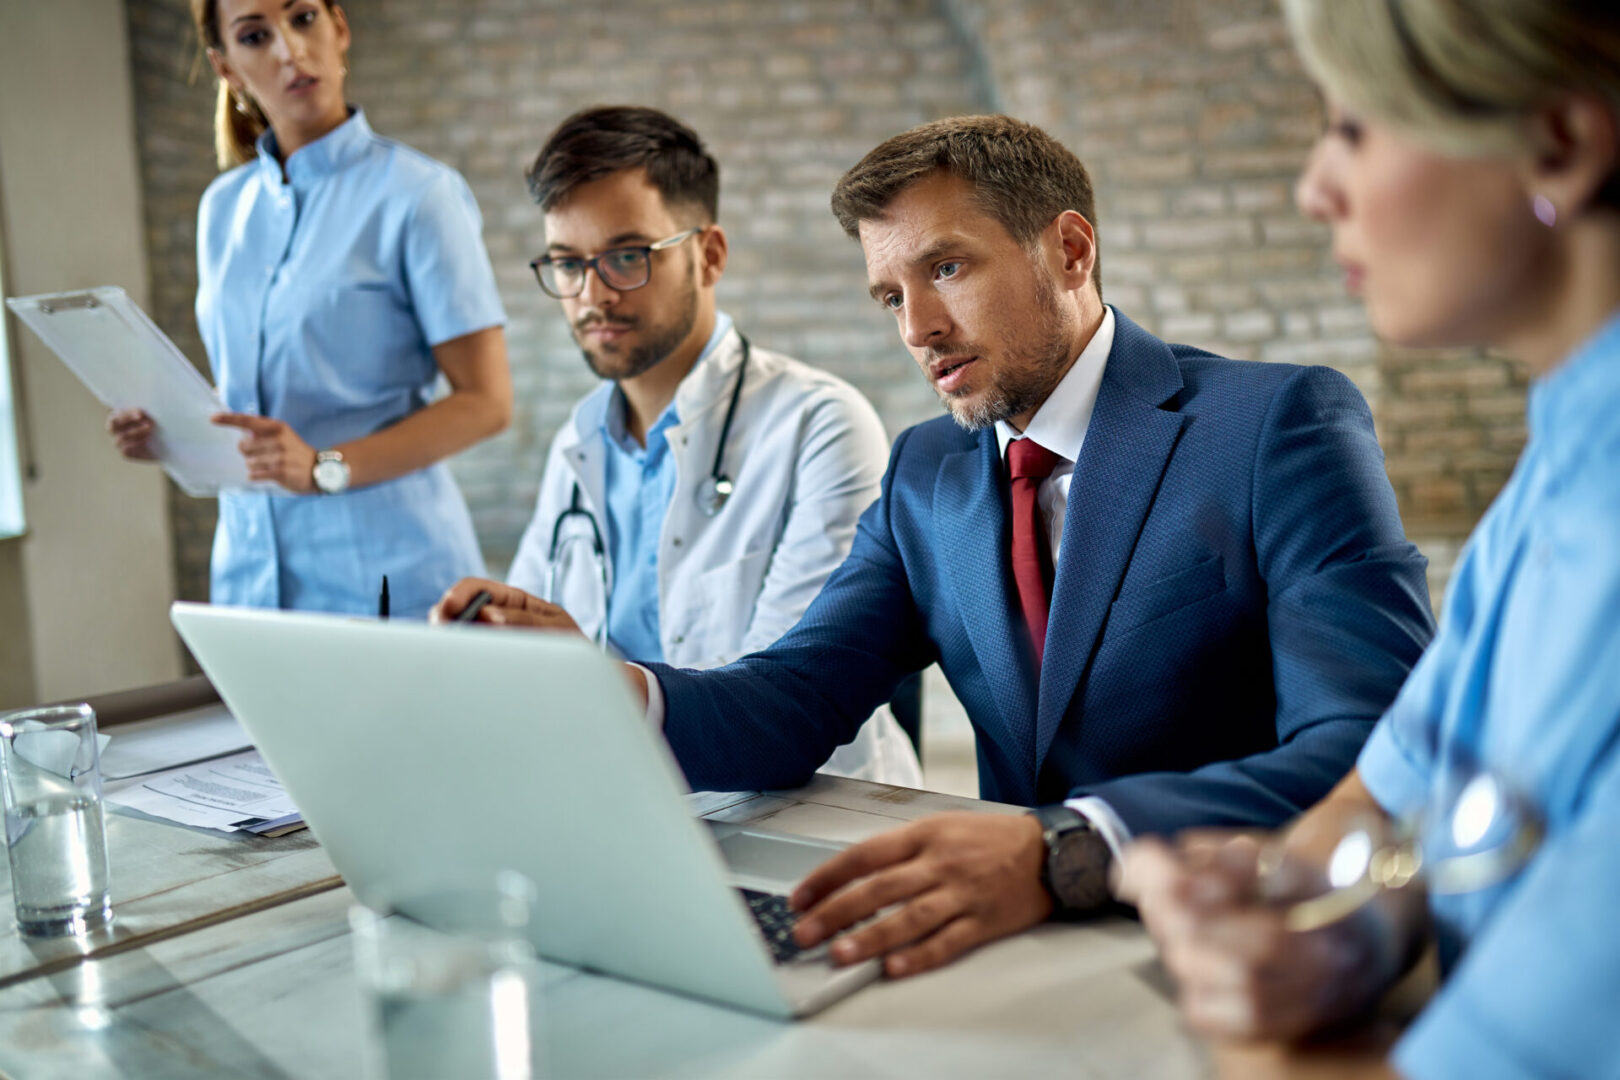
{"type": "Point", "coordinates": [594, 263]}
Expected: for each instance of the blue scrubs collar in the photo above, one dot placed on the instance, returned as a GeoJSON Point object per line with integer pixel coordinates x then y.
{"type": "Point", "coordinates": [1575, 399]}
{"type": "Point", "coordinates": [339, 147]}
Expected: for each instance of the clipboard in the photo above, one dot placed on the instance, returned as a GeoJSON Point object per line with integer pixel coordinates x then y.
{"type": "Point", "coordinates": [127, 362]}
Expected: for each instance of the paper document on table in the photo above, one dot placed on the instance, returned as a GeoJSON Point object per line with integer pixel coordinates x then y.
{"type": "Point", "coordinates": [232, 794]}
{"type": "Point", "coordinates": [167, 742]}
{"type": "Point", "coordinates": [128, 363]}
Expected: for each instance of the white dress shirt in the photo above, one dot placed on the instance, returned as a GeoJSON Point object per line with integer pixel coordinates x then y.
{"type": "Point", "coordinates": [1060, 425]}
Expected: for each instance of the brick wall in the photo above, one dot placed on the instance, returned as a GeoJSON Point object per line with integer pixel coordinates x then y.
{"type": "Point", "coordinates": [788, 95]}
{"type": "Point", "coordinates": [174, 121]}
{"type": "Point", "coordinates": [1193, 116]}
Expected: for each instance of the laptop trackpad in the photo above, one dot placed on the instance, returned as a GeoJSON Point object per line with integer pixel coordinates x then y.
{"type": "Point", "coordinates": [767, 860]}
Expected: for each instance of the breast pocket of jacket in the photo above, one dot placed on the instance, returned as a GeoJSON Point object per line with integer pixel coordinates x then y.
{"type": "Point", "coordinates": [1137, 607]}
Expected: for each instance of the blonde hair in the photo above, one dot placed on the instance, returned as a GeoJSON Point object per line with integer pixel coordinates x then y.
{"type": "Point", "coordinates": [236, 129]}
{"type": "Point", "coordinates": [1460, 76]}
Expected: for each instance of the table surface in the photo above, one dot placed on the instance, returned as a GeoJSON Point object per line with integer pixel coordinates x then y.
{"type": "Point", "coordinates": [230, 956]}
{"type": "Point", "coordinates": [166, 880]}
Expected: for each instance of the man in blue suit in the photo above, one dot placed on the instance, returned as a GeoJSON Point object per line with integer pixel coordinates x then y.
{"type": "Point", "coordinates": [1170, 589]}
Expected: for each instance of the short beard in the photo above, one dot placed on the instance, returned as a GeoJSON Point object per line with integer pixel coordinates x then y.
{"type": "Point", "coordinates": [1030, 375]}
{"type": "Point", "coordinates": [647, 355]}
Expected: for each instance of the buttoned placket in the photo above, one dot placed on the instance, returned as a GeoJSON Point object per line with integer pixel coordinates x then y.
{"type": "Point", "coordinates": [281, 206]}
{"type": "Point", "coordinates": [285, 205]}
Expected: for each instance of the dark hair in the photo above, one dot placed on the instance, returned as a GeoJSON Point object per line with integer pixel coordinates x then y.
{"type": "Point", "coordinates": [1021, 176]}
{"type": "Point", "coordinates": [607, 139]}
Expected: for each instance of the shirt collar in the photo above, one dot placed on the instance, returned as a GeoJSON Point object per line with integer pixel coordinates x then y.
{"type": "Point", "coordinates": [1580, 398]}
{"type": "Point", "coordinates": [323, 157]}
{"type": "Point", "coordinates": [722, 327]}
{"type": "Point", "coordinates": [1061, 421]}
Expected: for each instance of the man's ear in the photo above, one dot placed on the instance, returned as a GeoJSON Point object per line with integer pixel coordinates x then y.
{"type": "Point", "coordinates": [1575, 153]}
{"type": "Point", "coordinates": [713, 252]}
{"type": "Point", "coordinates": [1076, 248]}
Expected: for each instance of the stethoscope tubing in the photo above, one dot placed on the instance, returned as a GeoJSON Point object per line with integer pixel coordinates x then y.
{"type": "Point", "coordinates": [711, 496]}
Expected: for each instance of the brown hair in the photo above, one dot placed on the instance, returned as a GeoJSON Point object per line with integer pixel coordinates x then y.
{"type": "Point", "coordinates": [235, 130]}
{"type": "Point", "coordinates": [607, 139]}
{"type": "Point", "coordinates": [1021, 176]}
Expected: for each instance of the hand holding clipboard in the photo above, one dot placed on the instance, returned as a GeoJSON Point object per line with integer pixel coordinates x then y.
{"type": "Point", "coordinates": [128, 363]}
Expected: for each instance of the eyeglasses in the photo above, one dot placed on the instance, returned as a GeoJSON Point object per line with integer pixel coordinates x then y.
{"type": "Point", "coordinates": [621, 269]}
{"type": "Point", "coordinates": [1478, 831]}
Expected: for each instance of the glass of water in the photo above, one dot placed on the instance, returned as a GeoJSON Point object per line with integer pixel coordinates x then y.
{"type": "Point", "coordinates": [1477, 831]}
{"type": "Point", "coordinates": [448, 976]}
{"type": "Point", "coordinates": [50, 774]}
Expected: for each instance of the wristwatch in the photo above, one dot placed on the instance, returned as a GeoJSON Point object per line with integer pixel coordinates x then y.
{"type": "Point", "coordinates": [1076, 869]}
{"type": "Point", "coordinates": [331, 473]}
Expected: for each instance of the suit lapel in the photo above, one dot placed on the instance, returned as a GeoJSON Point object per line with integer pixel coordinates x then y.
{"type": "Point", "coordinates": [1128, 444]}
{"type": "Point", "coordinates": [971, 529]}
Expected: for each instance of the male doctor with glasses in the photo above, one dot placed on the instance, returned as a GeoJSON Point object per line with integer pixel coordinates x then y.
{"type": "Point", "coordinates": [695, 503]}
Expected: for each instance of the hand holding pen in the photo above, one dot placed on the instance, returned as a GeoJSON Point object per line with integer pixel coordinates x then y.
{"type": "Point", "coordinates": [477, 599]}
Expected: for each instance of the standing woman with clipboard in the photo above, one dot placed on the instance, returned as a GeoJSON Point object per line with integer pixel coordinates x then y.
{"type": "Point", "coordinates": [339, 274]}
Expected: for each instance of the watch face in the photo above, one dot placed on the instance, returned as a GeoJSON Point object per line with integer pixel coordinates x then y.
{"type": "Point", "coordinates": [331, 476]}
{"type": "Point", "coordinates": [1078, 867]}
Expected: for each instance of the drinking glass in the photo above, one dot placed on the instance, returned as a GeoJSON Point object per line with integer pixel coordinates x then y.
{"type": "Point", "coordinates": [1477, 831]}
{"type": "Point", "coordinates": [50, 775]}
{"type": "Point", "coordinates": [447, 974]}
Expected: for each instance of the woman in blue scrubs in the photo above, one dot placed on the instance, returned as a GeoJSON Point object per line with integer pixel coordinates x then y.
{"type": "Point", "coordinates": [1470, 177]}
{"type": "Point", "coordinates": [339, 275]}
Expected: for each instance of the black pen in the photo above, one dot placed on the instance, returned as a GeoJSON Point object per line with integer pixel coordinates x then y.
{"type": "Point", "coordinates": [474, 606]}
{"type": "Point", "coordinates": [382, 600]}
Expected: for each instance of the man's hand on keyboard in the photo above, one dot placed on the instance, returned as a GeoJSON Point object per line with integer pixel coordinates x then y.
{"type": "Point", "coordinates": [960, 880]}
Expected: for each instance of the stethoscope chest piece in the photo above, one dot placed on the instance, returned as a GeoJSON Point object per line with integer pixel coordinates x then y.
{"type": "Point", "coordinates": [713, 493]}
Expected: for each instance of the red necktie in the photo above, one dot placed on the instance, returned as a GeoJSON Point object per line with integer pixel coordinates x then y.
{"type": "Point", "coordinates": [1028, 463]}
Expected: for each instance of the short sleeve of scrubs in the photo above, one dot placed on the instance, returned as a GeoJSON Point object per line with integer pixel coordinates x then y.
{"type": "Point", "coordinates": [1523, 680]}
{"type": "Point", "coordinates": [447, 271]}
{"type": "Point", "coordinates": [1538, 992]}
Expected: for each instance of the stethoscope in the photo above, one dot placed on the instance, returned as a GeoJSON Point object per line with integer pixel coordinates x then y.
{"type": "Point", "coordinates": [711, 496]}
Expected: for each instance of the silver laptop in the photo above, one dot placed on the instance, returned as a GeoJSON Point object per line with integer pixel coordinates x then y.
{"type": "Point", "coordinates": [430, 752]}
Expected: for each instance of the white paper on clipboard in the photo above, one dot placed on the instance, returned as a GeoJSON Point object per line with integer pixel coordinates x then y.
{"type": "Point", "coordinates": [127, 362]}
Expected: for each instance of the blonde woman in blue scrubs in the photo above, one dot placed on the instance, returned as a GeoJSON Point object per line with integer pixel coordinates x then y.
{"type": "Point", "coordinates": [339, 274]}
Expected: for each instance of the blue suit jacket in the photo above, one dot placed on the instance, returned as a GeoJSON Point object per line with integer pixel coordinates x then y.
{"type": "Point", "coordinates": [1234, 606]}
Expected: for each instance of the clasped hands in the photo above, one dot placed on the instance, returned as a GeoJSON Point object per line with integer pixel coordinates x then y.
{"type": "Point", "coordinates": [274, 452]}
{"type": "Point", "coordinates": [1241, 971]}
{"type": "Point", "coordinates": [955, 880]}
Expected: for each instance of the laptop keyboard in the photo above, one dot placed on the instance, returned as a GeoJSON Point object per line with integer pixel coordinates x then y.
{"type": "Point", "coordinates": [776, 921]}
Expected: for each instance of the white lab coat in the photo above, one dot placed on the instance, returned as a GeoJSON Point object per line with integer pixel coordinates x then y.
{"type": "Point", "coordinates": [806, 454]}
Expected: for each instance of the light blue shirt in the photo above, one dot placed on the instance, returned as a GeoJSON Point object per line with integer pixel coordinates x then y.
{"type": "Point", "coordinates": [1524, 679]}
{"type": "Point", "coordinates": [320, 299]}
{"type": "Point", "coordinates": [639, 483]}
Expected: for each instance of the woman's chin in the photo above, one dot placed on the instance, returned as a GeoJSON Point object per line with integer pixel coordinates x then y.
{"type": "Point", "coordinates": [1414, 330]}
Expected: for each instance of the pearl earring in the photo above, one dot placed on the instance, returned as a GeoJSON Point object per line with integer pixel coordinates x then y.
{"type": "Point", "coordinates": [1545, 211]}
